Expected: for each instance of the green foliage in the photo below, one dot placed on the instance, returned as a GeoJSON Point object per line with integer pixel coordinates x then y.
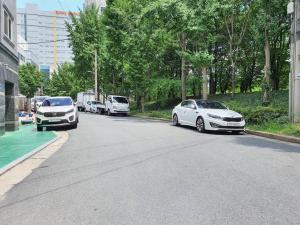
{"type": "Point", "coordinates": [30, 79]}
{"type": "Point", "coordinates": [143, 44]}
{"type": "Point", "coordinates": [86, 36]}
{"type": "Point", "coordinates": [64, 82]}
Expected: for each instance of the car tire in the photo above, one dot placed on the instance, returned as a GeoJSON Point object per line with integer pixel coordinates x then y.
{"type": "Point", "coordinates": [200, 125]}
{"type": "Point", "coordinates": [74, 126]}
{"type": "Point", "coordinates": [39, 128]}
{"type": "Point", "coordinates": [175, 120]}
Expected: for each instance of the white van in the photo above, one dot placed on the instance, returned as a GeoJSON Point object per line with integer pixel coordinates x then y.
{"type": "Point", "coordinates": [117, 105]}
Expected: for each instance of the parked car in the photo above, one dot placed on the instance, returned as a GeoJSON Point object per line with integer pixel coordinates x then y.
{"type": "Point", "coordinates": [57, 112]}
{"type": "Point", "coordinates": [37, 102]}
{"type": "Point", "coordinates": [26, 118]}
{"type": "Point", "coordinates": [97, 107]}
{"type": "Point", "coordinates": [84, 99]}
{"type": "Point", "coordinates": [117, 105]}
{"type": "Point", "coordinates": [207, 115]}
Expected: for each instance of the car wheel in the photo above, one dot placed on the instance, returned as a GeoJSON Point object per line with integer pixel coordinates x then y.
{"type": "Point", "coordinates": [39, 128]}
{"type": "Point", "coordinates": [175, 120]}
{"type": "Point", "coordinates": [74, 126]}
{"type": "Point", "coordinates": [200, 125]}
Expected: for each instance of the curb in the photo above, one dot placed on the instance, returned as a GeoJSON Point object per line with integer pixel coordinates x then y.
{"type": "Point", "coordinates": [275, 136]}
{"type": "Point", "coordinates": [257, 133]}
{"type": "Point", "coordinates": [28, 155]}
{"type": "Point", "coordinates": [152, 118]}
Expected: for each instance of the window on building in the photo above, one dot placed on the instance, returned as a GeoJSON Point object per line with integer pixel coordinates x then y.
{"type": "Point", "coordinates": [8, 24]}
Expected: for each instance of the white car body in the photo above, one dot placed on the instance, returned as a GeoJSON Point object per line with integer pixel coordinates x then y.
{"type": "Point", "coordinates": [82, 100]}
{"type": "Point", "coordinates": [57, 116]}
{"type": "Point", "coordinates": [96, 107]}
{"type": "Point", "coordinates": [188, 112]}
{"type": "Point", "coordinates": [117, 105]}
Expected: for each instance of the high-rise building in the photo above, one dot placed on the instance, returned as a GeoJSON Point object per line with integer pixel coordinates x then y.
{"type": "Point", "coordinates": [46, 35]}
{"type": "Point", "coordinates": [8, 66]}
{"type": "Point", "coordinates": [99, 3]}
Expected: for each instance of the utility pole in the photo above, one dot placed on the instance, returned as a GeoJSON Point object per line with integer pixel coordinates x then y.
{"type": "Point", "coordinates": [96, 76]}
{"type": "Point", "coordinates": [204, 83]}
{"type": "Point", "coordinates": [294, 80]}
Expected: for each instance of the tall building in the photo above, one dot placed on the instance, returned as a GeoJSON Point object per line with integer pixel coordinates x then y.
{"type": "Point", "coordinates": [99, 3]}
{"type": "Point", "coordinates": [46, 35]}
{"type": "Point", "coordinates": [8, 66]}
{"type": "Point", "coordinates": [25, 55]}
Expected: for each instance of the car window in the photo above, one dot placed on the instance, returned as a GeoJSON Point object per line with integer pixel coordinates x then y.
{"type": "Point", "coordinates": [184, 104]}
{"type": "Point", "coordinates": [210, 105]}
{"type": "Point", "coordinates": [191, 105]}
{"type": "Point", "coordinates": [120, 100]}
{"type": "Point", "coordinates": [57, 102]}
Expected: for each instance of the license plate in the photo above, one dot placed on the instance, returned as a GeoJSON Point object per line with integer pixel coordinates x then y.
{"type": "Point", "coordinates": [233, 124]}
{"type": "Point", "coordinates": [54, 120]}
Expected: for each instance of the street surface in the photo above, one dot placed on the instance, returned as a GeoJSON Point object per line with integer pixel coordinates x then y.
{"type": "Point", "coordinates": [129, 171]}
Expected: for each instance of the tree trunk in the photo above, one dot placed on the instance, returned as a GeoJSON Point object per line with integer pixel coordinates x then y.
{"type": "Point", "coordinates": [143, 104]}
{"type": "Point", "coordinates": [183, 69]}
{"type": "Point", "coordinates": [204, 83]}
{"type": "Point", "coordinates": [232, 70]}
{"type": "Point", "coordinates": [267, 67]}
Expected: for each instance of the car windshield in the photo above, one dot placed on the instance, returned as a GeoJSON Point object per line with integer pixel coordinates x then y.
{"type": "Point", "coordinates": [95, 103]}
{"type": "Point", "coordinates": [210, 105]}
{"type": "Point", "coordinates": [40, 99]}
{"type": "Point", "coordinates": [57, 102]}
{"type": "Point", "coordinates": [120, 100]}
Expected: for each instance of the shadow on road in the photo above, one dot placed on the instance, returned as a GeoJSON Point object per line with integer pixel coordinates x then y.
{"type": "Point", "coordinates": [252, 141]}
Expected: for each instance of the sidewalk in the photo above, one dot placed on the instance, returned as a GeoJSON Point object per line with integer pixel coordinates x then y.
{"type": "Point", "coordinates": [15, 145]}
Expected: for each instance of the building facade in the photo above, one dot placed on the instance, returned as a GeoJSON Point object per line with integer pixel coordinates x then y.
{"type": "Point", "coordinates": [8, 66]}
{"type": "Point", "coordinates": [99, 3]}
{"type": "Point", "coordinates": [46, 35]}
{"type": "Point", "coordinates": [25, 55]}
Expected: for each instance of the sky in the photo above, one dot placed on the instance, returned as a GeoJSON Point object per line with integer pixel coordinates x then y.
{"type": "Point", "coordinates": [50, 5]}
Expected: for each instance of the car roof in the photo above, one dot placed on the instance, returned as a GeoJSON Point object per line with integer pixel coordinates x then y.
{"type": "Point", "coordinates": [59, 97]}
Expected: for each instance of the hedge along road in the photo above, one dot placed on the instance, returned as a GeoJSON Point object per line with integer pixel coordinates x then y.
{"type": "Point", "coordinates": [127, 171]}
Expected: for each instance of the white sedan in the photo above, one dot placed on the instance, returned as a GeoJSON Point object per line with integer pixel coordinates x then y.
{"type": "Point", "coordinates": [207, 115]}
{"type": "Point", "coordinates": [57, 112]}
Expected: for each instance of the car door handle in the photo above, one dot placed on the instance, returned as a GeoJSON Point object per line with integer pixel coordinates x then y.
{"type": "Point", "coordinates": [196, 112]}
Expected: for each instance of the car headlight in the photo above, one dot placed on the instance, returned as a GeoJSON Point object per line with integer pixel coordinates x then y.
{"type": "Point", "coordinates": [39, 113]}
{"type": "Point", "coordinates": [70, 111]}
{"type": "Point", "coordinates": [214, 116]}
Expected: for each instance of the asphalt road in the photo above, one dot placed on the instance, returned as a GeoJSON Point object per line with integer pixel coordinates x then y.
{"type": "Point", "coordinates": [128, 171]}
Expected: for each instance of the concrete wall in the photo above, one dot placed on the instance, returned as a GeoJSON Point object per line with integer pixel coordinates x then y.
{"type": "Point", "coordinates": [8, 71]}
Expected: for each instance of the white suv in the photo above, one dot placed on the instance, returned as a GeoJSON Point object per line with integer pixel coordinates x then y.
{"type": "Point", "coordinates": [117, 105]}
{"type": "Point", "coordinates": [57, 112]}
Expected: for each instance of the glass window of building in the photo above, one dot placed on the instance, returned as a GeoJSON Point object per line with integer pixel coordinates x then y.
{"type": "Point", "coordinates": [8, 24]}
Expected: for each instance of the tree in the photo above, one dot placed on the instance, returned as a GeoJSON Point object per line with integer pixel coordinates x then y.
{"type": "Point", "coordinates": [65, 82]}
{"type": "Point", "coordinates": [30, 80]}
{"type": "Point", "coordinates": [86, 35]}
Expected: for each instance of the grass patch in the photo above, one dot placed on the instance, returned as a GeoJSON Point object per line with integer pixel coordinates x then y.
{"type": "Point", "coordinates": [162, 114]}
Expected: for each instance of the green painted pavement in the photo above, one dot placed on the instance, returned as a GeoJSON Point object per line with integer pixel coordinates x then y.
{"type": "Point", "coordinates": [14, 145]}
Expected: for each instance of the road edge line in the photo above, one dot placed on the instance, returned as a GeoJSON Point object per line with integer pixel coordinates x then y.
{"type": "Point", "coordinates": [28, 155]}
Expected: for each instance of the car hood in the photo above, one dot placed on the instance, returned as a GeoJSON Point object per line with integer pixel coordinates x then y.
{"type": "Point", "coordinates": [55, 108]}
{"type": "Point", "coordinates": [223, 113]}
